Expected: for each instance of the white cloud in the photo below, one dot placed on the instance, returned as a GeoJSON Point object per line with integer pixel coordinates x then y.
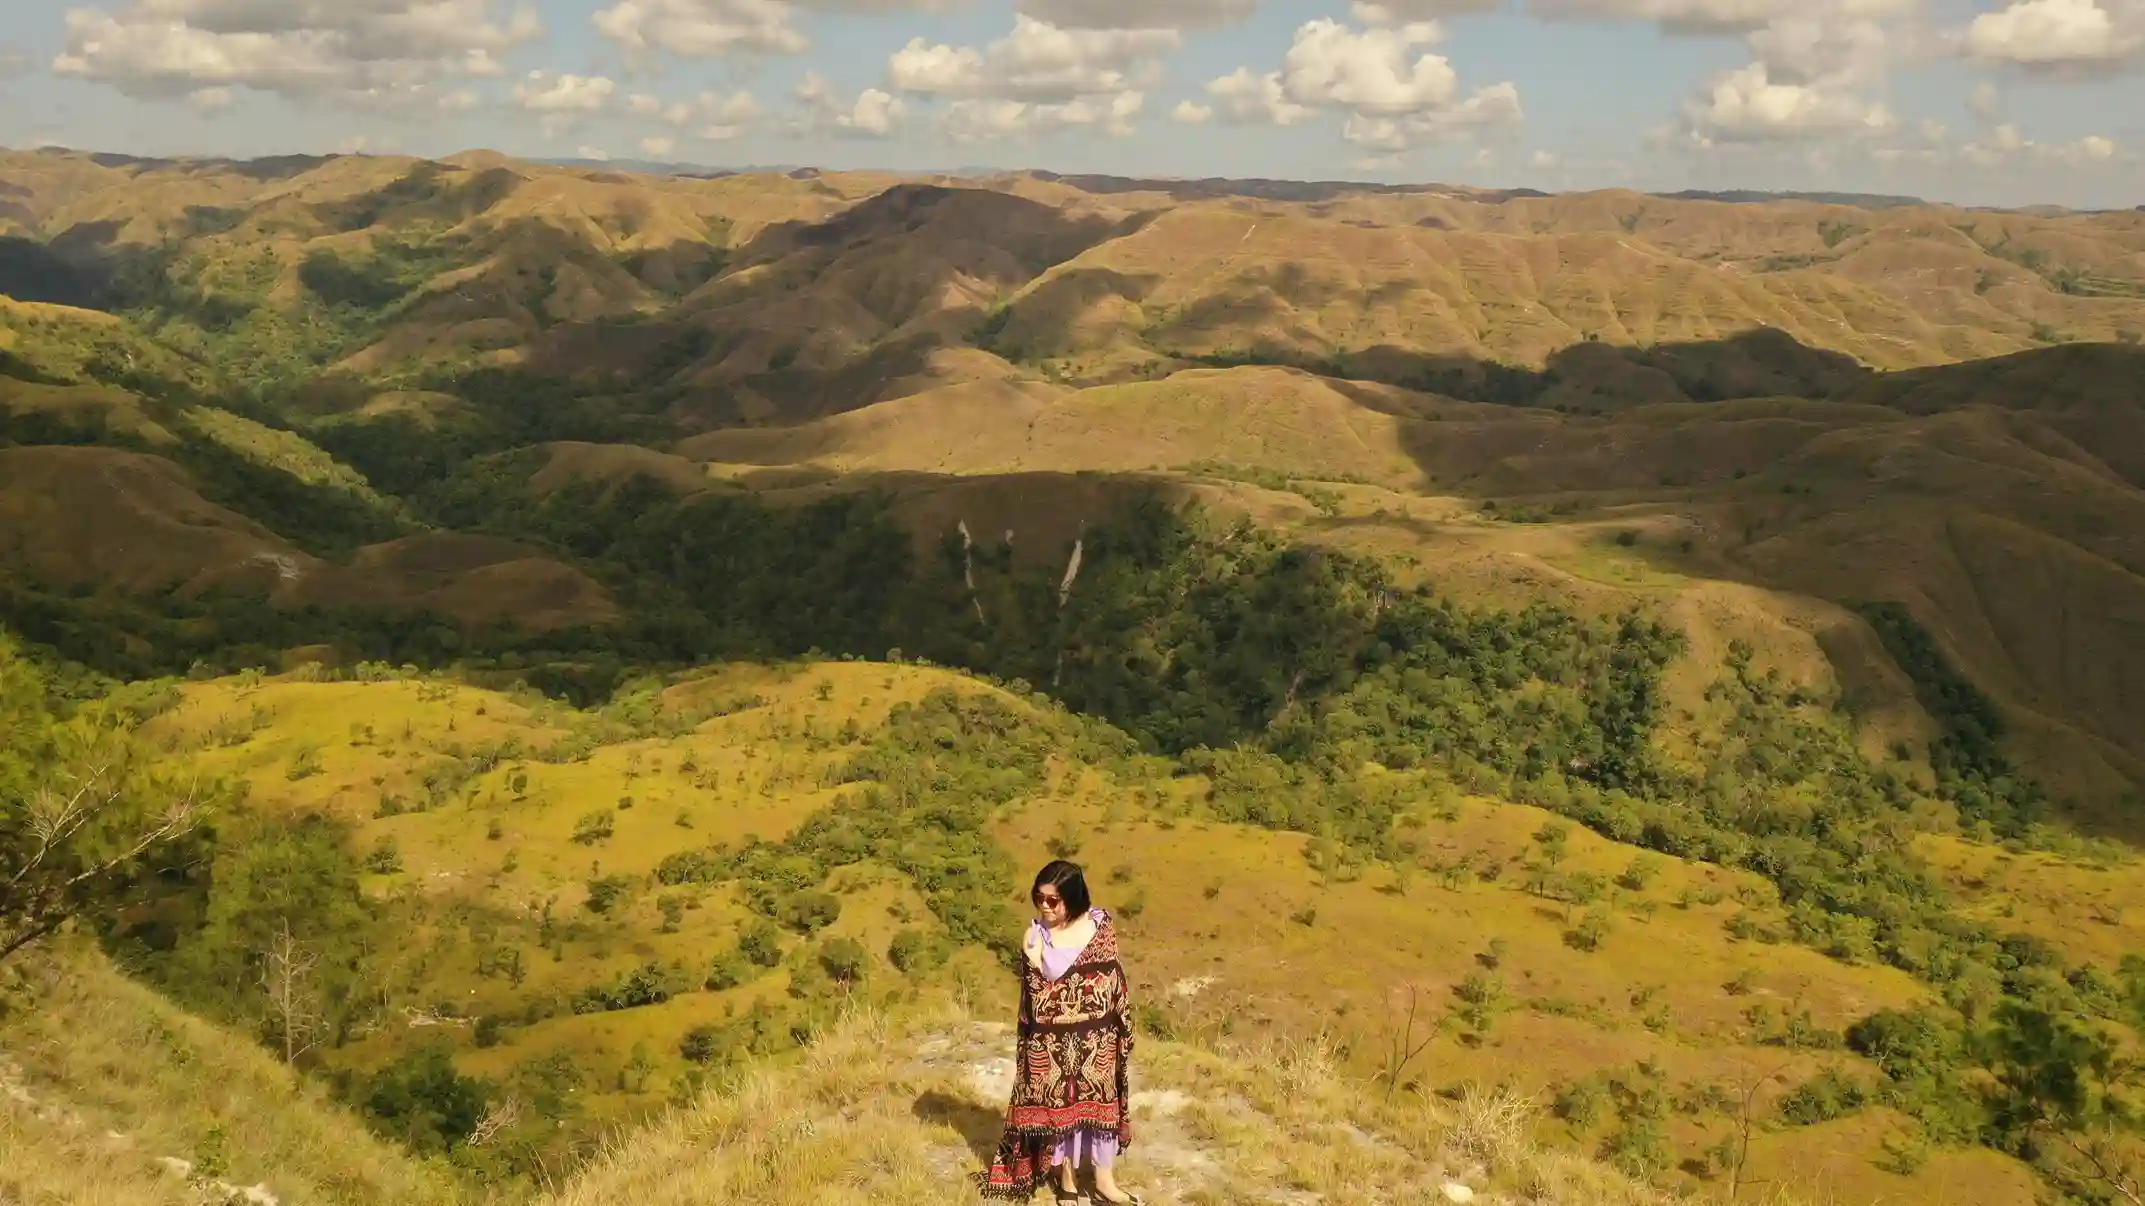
{"type": "Point", "coordinates": [208, 100]}
{"type": "Point", "coordinates": [596, 153]}
{"type": "Point", "coordinates": [1138, 14]}
{"type": "Point", "coordinates": [14, 61]}
{"type": "Point", "coordinates": [1749, 105]}
{"type": "Point", "coordinates": [1495, 105]}
{"type": "Point", "coordinates": [699, 29]}
{"type": "Point", "coordinates": [873, 114]}
{"type": "Point", "coordinates": [711, 115]}
{"type": "Point", "coordinates": [1038, 62]}
{"type": "Point", "coordinates": [1817, 70]}
{"type": "Point", "coordinates": [362, 51]}
{"type": "Point", "coordinates": [1395, 98]}
{"type": "Point", "coordinates": [354, 145]}
{"type": "Point", "coordinates": [1191, 113]}
{"type": "Point", "coordinates": [658, 146]}
{"type": "Point", "coordinates": [1986, 102]}
{"type": "Point", "coordinates": [1543, 159]}
{"type": "Point", "coordinates": [655, 108]}
{"type": "Point", "coordinates": [543, 92]}
{"type": "Point", "coordinates": [1721, 16]}
{"type": "Point", "coordinates": [2006, 148]}
{"type": "Point", "coordinates": [1401, 12]}
{"type": "Point", "coordinates": [978, 120]}
{"type": "Point", "coordinates": [2058, 34]}
{"type": "Point", "coordinates": [1242, 97]}
{"type": "Point", "coordinates": [2090, 149]}
{"type": "Point", "coordinates": [1368, 70]}
{"type": "Point", "coordinates": [1812, 78]}
{"type": "Point", "coordinates": [725, 117]}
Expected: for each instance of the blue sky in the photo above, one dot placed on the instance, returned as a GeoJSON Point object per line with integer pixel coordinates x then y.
{"type": "Point", "coordinates": [1979, 101]}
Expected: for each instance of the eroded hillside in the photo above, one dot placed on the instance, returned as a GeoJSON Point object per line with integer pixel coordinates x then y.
{"type": "Point", "coordinates": [1667, 660]}
{"type": "Point", "coordinates": [321, 345]}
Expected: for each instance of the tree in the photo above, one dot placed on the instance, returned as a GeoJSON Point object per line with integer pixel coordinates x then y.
{"type": "Point", "coordinates": [83, 806]}
{"type": "Point", "coordinates": [293, 997]}
{"type": "Point", "coordinates": [2064, 1100]}
{"type": "Point", "coordinates": [424, 1102]}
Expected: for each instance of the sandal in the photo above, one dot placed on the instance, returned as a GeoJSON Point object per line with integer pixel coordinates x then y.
{"type": "Point", "coordinates": [1064, 1196]}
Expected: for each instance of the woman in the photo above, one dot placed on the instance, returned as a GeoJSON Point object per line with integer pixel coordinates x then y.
{"type": "Point", "coordinates": [1070, 1104]}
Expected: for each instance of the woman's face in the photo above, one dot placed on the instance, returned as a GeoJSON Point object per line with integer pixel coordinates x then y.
{"type": "Point", "coordinates": [1050, 904]}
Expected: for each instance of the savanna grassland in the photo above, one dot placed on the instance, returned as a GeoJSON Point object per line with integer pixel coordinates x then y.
{"type": "Point", "coordinates": [1591, 698]}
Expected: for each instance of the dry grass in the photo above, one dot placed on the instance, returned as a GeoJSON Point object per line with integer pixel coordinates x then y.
{"type": "Point", "coordinates": [1656, 990]}
{"type": "Point", "coordinates": [104, 1080]}
{"type": "Point", "coordinates": [893, 1110]}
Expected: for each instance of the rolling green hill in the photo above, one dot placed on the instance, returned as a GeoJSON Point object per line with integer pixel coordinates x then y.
{"type": "Point", "coordinates": [647, 626]}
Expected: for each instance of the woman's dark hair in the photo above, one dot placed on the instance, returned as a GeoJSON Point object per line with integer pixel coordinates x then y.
{"type": "Point", "coordinates": [1069, 881]}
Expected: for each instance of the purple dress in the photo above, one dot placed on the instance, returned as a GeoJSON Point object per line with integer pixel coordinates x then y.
{"type": "Point", "coordinates": [1098, 1150]}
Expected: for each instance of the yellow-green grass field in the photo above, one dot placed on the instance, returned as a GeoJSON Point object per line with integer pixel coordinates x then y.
{"type": "Point", "coordinates": [1234, 937]}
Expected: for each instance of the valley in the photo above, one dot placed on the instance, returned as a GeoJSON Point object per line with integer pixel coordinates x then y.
{"type": "Point", "coordinates": [1609, 697]}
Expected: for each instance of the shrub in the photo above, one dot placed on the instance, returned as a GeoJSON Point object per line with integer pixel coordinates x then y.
{"type": "Point", "coordinates": [706, 1045]}
{"type": "Point", "coordinates": [914, 951]}
{"type": "Point", "coordinates": [423, 1102]}
{"type": "Point", "coordinates": [606, 891]}
{"type": "Point", "coordinates": [1822, 1098]}
{"type": "Point", "coordinates": [1588, 935]}
{"type": "Point", "coordinates": [595, 827]}
{"type": "Point", "coordinates": [810, 912]}
{"type": "Point", "coordinates": [1067, 841]}
{"type": "Point", "coordinates": [385, 857]}
{"type": "Point", "coordinates": [760, 943]}
{"type": "Point", "coordinates": [1640, 873]}
{"type": "Point", "coordinates": [1583, 1103]}
{"type": "Point", "coordinates": [844, 959]}
{"type": "Point", "coordinates": [303, 765]}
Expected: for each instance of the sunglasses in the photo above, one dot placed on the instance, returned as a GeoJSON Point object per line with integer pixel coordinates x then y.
{"type": "Point", "coordinates": [1047, 900]}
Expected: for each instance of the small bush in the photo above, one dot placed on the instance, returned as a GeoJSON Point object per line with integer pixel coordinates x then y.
{"type": "Point", "coordinates": [605, 892]}
{"type": "Point", "coordinates": [303, 765]}
{"type": "Point", "coordinates": [844, 959]}
{"type": "Point", "coordinates": [760, 943]}
{"type": "Point", "coordinates": [705, 1045]}
{"type": "Point", "coordinates": [1640, 873]}
{"type": "Point", "coordinates": [1583, 1103]}
{"type": "Point", "coordinates": [914, 951]}
{"type": "Point", "coordinates": [1590, 933]}
{"type": "Point", "coordinates": [595, 827]}
{"type": "Point", "coordinates": [1067, 841]}
{"type": "Point", "coordinates": [1822, 1098]}
{"type": "Point", "coordinates": [811, 912]}
{"type": "Point", "coordinates": [385, 857]}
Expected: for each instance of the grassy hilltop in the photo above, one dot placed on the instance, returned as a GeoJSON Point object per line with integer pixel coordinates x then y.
{"type": "Point", "coordinates": [1592, 698]}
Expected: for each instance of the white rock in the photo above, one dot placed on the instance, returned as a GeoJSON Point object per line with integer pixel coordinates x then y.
{"type": "Point", "coordinates": [1456, 1192]}
{"type": "Point", "coordinates": [992, 1079]}
{"type": "Point", "coordinates": [1160, 1102]}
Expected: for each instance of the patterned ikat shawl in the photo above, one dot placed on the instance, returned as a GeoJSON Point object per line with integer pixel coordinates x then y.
{"type": "Point", "coordinates": [1075, 1045]}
